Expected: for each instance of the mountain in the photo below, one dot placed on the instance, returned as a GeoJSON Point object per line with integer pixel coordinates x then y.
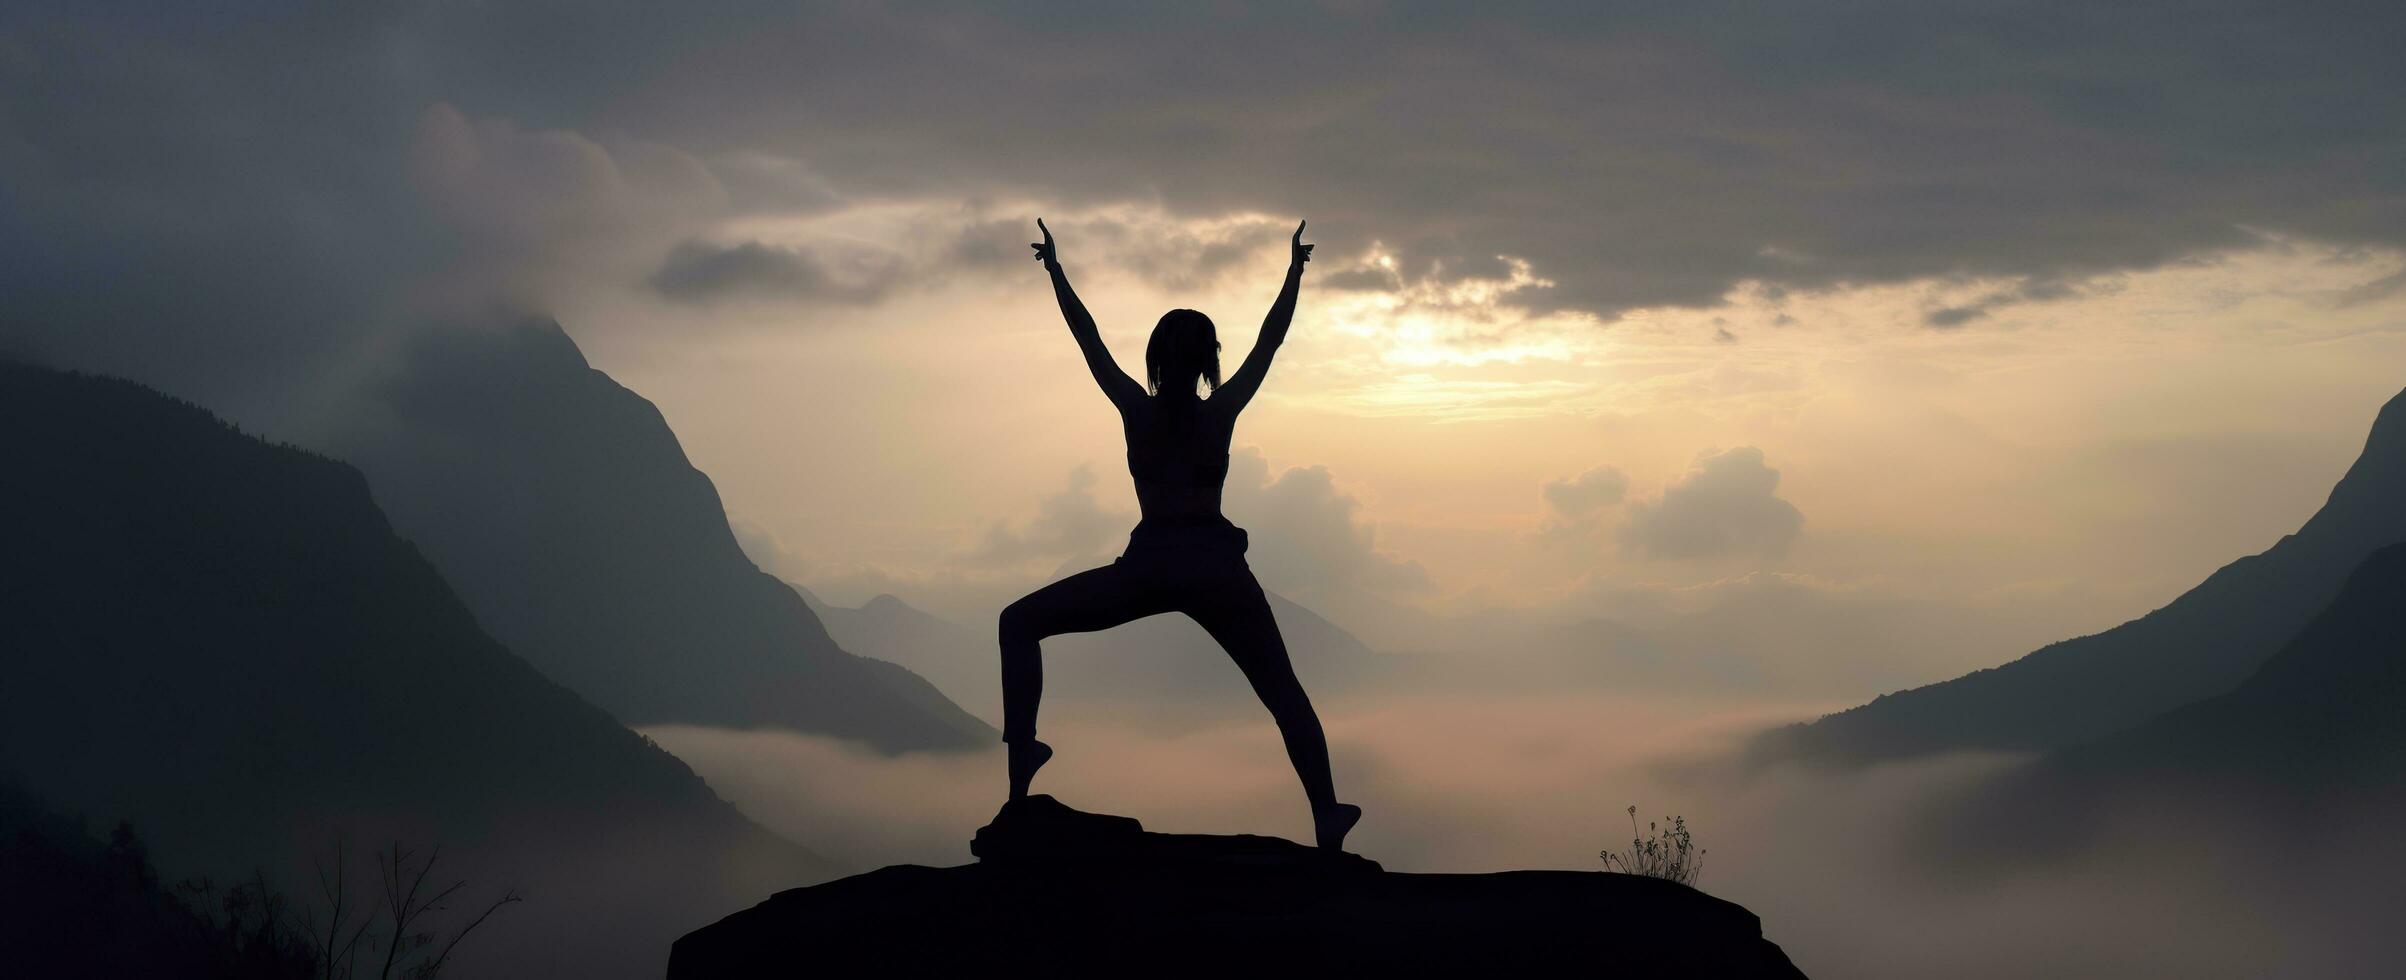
{"type": "Point", "coordinates": [2201, 644]}
{"type": "Point", "coordinates": [564, 510]}
{"type": "Point", "coordinates": [1061, 893]}
{"type": "Point", "coordinates": [224, 642]}
{"type": "Point", "coordinates": [72, 906]}
{"type": "Point", "coordinates": [2327, 714]}
{"type": "Point", "coordinates": [2307, 749]}
{"type": "Point", "coordinates": [1163, 658]}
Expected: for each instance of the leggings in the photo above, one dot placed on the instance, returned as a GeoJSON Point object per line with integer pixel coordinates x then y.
{"type": "Point", "coordinates": [1218, 592]}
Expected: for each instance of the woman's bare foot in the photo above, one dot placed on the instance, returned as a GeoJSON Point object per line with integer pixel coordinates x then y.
{"type": "Point", "coordinates": [1332, 824]}
{"type": "Point", "coordinates": [1027, 756]}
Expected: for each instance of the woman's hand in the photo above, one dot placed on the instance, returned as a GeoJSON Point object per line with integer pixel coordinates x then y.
{"type": "Point", "coordinates": [1044, 249]}
{"type": "Point", "coordinates": [1302, 253]}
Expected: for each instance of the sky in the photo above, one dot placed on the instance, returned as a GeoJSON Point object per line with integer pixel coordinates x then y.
{"type": "Point", "coordinates": [2033, 312]}
{"type": "Point", "coordinates": [1860, 345]}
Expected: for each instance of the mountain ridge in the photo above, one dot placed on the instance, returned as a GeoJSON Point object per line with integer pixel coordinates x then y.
{"type": "Point", "coordinates": [2327, 711]}
{"type": "Point", "coordinates": [2310, 742]}
{"type": "Point", "coordinates": [2200, 644]}
{"type": "Point", "coordinates": [224, 641]}
{"type": "Point", "coordinates": [562, 505]}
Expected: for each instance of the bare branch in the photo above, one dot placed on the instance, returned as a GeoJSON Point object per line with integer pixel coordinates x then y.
{"type": "Point", "coordinates": [436, 967]}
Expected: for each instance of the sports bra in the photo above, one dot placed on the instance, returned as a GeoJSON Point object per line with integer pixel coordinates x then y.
{"type": "Point", "coordinates": [1179, 448]}
{"type": "Point", "coordinates": [1200, 471]}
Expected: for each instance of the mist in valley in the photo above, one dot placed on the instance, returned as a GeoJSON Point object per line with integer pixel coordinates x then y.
{"type": "Point", "coordinates": [1836, 862]}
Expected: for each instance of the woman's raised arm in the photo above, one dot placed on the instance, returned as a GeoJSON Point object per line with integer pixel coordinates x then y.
{"type": "Point", "coordinates": [1240, 387]}
{"type": "Point", "coordinates": [1116, 384]}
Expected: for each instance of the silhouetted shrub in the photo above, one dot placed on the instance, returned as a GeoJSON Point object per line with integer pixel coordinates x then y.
{"type": "Point", "coordinates": [74, 906]}
{"type": "Point", "coordinates": [246, 929]}
{"type": "Point", "coordinates": [392, 926]}
{"type": "Point", "coordinates": [1668, 853]}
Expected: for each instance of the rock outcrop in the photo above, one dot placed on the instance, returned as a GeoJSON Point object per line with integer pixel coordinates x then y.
{"type": "Point", "coordinates": [1060, 892]}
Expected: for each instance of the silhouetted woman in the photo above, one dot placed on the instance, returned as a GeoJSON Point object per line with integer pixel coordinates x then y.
{"type": "Point", "coordinates": [1183, 556]}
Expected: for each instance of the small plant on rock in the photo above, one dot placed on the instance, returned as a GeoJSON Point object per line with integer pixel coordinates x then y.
{"type": "Point", "coordinates": [1668, 853]}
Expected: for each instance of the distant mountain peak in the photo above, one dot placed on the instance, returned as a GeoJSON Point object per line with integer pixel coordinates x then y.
{"type": "Point", "coordinates": [565, 510]}
{"type": "Point", "coordinates": [224, 641]}
{"type": "Point", "coordinates": [2375, 482]}
{"type": "Point", "coordinates": [543, 337]}
{"type": "Point", "coordinates": [529, 338]}
{"type": "Point", "coordinates": [2319, 730]}
{"type": "Point", "coordinates": [2199, 645]}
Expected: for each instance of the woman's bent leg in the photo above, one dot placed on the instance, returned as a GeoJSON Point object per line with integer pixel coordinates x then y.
{"type": "Point", "coordinates": [1095, 599]}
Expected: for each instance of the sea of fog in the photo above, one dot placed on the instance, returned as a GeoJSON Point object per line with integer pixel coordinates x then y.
{"type": "Point", "coordinates": [1827, 858]}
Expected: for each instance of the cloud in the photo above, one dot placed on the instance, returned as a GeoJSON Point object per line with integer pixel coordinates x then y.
{"type": "Point", "coordinates": [1726, 505]}
{"type": "Point", "coordinates": [1481, 783]}
{"type": "Point", "coordinates": [213, 209]}
{"type": "Point", "coordinates": [527, 208]}
{"type": "Point", "coordinates": [1795, 634]}
{"type": "Point", "coordinates": [1168, 251]}
{"type": "Point", "coordinates": [1954, 316]}
{"type": "Point", "coordinates": [1587, 494]}
{"type": "Point", "coordinates": [1790, 146]}
{"type": "Point", "coordinates": [869, 253]}
{"type": "Point", "coordinates": [1171, 253]}
{"type": "Point", "coordinates": [1470, 290]}
{"type": "Point", "coordinates": [1307, 537]}
{"type": "Point", "coordinates": [770, 552]}
{"type": "Point", "coordinates": [1069, 524]}
{"type": "Point", "coordinates": [221, 205]}
{"type": "Point", "coordinates": [701, 272]}
{"type": "Point", "coordinates": [2024, 291]}
{"type": "Point", "coordinates": [1309, 540]}
{"type": "Point", "coordinates": [1579, 509]}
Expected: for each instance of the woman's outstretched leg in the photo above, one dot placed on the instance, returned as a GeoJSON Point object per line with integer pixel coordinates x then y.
{"type": "Point", "coordinates": [1095, 599]}
{"type": "Point", "coordinates": [1238, 616]}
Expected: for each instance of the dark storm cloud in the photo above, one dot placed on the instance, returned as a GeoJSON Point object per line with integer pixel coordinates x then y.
{"type": "Point", "coordinates": [943, 245]}
{"type": "Point", "coordinates": [196, 196]}
{"type": "Point", "coordinates": [1636, 155]}
{"type": "Point", "coordinates": [703, 272]}
{"type": "Point", "coordinates": [2028, 291]}
{"type": "Point", "coordinates": [1954, 316]}
{"type": "Point", "coordinates": [181, 202]}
